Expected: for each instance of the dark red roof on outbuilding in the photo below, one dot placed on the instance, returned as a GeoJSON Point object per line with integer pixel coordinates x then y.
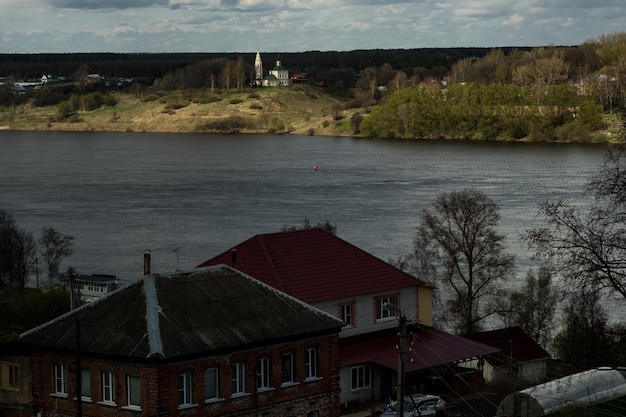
{"type": "Point", "coordinates": [427, 347]}
{"type": "Point", "coordinates": [314, 265]}
{"type": "Point", "coordinates": [514, 343]}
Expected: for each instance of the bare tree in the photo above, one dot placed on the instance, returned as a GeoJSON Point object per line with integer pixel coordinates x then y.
{"type": "Point", "coordinates": [533, 306]}
{"type": "Point", "coordinates": [588, 249]}
{"type": "Point", "coordinates": [54, 247]}
{"type": "Point", "coordinates": [17, 252]}
{"type": "Point", "coordinates": [470, 255]}
{"type": "Point", "coordinates": [584, 339]}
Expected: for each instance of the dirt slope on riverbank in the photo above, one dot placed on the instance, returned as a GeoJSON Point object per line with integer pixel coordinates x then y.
{"type": "Point", "coordinates": [298, 110]}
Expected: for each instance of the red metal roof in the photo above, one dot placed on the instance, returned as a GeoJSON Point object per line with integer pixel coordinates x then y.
{"type": "Point", "coordinates": [427, 347]}
{"type": "Point", "coordinates": [514, 343]}
{"type": "Point", "coordinates": [314, 265]}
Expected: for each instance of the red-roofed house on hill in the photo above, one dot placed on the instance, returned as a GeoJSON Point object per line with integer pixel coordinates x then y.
{"type": "Point", "coordinates": [339, 278]}
{"type": "Point", "coordinates": [520, 360]}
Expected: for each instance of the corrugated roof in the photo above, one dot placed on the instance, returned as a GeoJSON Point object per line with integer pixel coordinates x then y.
{"type": "Point", "coordinates": [514, 342]}
{"type": "Point", "coordinates": [427, 347]}
{"type": "Point", "coordinates": [314, 265]}
{"type": "Point", "coordinates": [188, 313]}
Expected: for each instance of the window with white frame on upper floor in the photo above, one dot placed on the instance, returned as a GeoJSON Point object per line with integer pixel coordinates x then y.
{"type": "Point", "coordinates": [211, 384]}
{"type": "Point", "coordinates": [386, 307]}
{"type": "Point", "coordinates": [85, 384]}
{"type": "Point", "coordinates": [133, 392]}
{"type": "Point", "coordinates": [238, 379]}
{"type": "Point", "coordinates": [311, 363]}
{"type": "Point", "coordinates": [185, 390]}
{"type": "Point", "coordinates": [59, 379]}
{"type": "Point", "coordinates": [287, 370]}
{"type": "Point", "coordinates": [360, 377]}
{"type": "Point", "coordinates": [107, 381]}
{"type": "Point", "coordinates": [346, 314]}
{"type": "Point", "coordinates": [263, 373]}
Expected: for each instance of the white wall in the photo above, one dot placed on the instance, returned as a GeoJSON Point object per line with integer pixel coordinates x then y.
{"type": "Point", "coordinates": [365, 311]}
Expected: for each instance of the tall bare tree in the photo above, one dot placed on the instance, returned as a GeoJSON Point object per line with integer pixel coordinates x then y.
{"type": "Point", "coordinates": [470, 255]}
{"type": "Point", "coordinates": [588, 248]}
{"type": "Point", "coordinates": [55, 246]}
{"type": "Point", "coordinates": [17, 252]}
{"type": "Point", "coordinates": [532, 307]}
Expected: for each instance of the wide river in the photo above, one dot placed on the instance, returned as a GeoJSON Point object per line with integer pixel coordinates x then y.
{"type": "Point", "coordinates": [187, 197]}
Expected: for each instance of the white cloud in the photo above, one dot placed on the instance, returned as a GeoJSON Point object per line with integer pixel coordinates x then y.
{"type": "Point", "coordinates": [298, 25]}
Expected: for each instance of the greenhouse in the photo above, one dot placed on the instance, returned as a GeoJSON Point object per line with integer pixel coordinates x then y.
{"type": "Point", "coordinates": [589, 388]}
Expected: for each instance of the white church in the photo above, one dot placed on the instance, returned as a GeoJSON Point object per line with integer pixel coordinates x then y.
{"type": "Point", "coordinates": [277, 76]}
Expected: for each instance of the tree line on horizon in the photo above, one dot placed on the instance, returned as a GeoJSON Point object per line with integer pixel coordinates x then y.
{"type": "Point", "coordinates": [567, 93]}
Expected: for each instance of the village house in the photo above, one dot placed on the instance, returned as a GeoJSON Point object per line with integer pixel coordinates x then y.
{"type": "Point", "coordinates": [210, 341]}
{"type": "Point", "coordinates": [91, 287]}
{"type": "Point", "coordinates": [520, 361]}
{"type": "Point", "coordinates": [370, 296]}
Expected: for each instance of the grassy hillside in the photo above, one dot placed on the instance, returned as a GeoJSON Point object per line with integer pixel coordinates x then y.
{"type": "Point", "coordinates": [298, 110]}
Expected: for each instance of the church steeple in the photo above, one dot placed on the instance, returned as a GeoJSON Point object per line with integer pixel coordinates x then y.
{"type": "Point", "coordinates": [258, 66]}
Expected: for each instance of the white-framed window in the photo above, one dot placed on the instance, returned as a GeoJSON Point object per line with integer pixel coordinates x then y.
{"type": "Point", "coordinates": [107, 381]}
{"type": "Point", "coordinates": [287, 374]}
{"type": "Point", "coordinates": [59, 379]}
{"type": "Point", "coordinates": [382, 312]}
{"type": "Point", "coordinates": [263, 373]}
{"type": "Point", "coordinates": [185, 389]}
{"type": "Point", "coordinates": [238, 381]}
{"type": "Point", "coordinates": [211, 384]}
{"type": "Point", "coordinates": [133, 392]}
{"type": "Point", "coordinates": [10, 376]}
{"type": "Point", "coordinates": [311, 363]}
{"type": "Point", "coordinates": [85, 383]}
{"type": "Point", "coordinates": [346, 314]}
{"type": "Point", "coordinates": [360, 377]}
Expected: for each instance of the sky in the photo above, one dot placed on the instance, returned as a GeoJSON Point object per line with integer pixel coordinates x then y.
{"type": "Point", "coordinates": [148, 26]}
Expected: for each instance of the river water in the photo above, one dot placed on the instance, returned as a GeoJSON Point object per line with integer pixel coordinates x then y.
{"type": "Point", "coordinates": [187, 197]}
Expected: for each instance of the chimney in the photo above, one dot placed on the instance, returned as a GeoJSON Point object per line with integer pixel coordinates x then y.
{"type": "Point", "coordinates": [146, 262]}
{"type": "Point", "coordinates": [233, 256]}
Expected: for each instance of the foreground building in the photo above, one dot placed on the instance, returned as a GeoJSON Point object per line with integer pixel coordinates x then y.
{"type": "Point", "coordinates": [211, 341]}
{"type": "Point", "coordinates": [370, 296]}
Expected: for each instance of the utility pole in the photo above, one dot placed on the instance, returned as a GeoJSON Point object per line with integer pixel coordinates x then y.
{"type": "Point", "coordinates": [401, 361]}
{"type": "Point", "coordinates": [79, 374]}
{"type": "Point", "coordinates": [71, 276]}
{"type": "Point", "coordinates": [401, 380]}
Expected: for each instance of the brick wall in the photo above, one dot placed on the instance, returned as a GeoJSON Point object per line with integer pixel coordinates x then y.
{"type": "Point", "coordinates": [159, 385]}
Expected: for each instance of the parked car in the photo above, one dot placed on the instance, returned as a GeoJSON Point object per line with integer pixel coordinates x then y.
{"type": "Point", "coordinates": [417, 406]}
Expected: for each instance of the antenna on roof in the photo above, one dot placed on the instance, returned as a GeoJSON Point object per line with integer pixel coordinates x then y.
{"type": "Point", "coordinates": [146, 262]}
{"type": "Point", "coordinates": [233, 256]}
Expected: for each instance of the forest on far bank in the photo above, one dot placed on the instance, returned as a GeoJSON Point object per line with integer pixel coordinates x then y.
{"type": "Point", "coordinates": [552, 93]}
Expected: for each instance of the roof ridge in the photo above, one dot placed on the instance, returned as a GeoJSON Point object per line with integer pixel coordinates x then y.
{"type": "Point", "coordinates": [152, 316]}
{"type": "Point", "coordinates": [270, 262]}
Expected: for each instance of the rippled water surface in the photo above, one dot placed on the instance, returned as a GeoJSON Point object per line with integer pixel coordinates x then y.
{"type": "Point", "coordinates": [119, 194]}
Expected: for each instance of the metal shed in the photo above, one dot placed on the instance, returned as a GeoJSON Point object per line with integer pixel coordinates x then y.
{"type": "Point", "coordinates": [587, 388]}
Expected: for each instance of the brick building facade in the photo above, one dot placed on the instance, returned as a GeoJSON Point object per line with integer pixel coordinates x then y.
{"type": "Point", "coordinates": [211, 342]}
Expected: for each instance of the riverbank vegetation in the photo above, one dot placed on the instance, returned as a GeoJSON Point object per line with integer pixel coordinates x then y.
{"type": "Point", "coordinates": [569, 94]}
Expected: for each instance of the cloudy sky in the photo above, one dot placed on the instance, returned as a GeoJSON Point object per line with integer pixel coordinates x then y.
{"type": "Point", "coordinates": [32, 26]}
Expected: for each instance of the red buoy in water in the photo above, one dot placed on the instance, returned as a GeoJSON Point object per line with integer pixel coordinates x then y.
{"type": "Point", "coordinates": [314, 167]}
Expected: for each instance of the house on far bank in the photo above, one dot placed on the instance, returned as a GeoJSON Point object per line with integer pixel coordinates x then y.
{"type": "Point", "coordinates": [91, 287]}
{"type": "Point", "coordinates": [369, 295]}
{"type": "Point", "coordinates": [520, 359]}
{"type": "Point", "coordinates": [210, 341]}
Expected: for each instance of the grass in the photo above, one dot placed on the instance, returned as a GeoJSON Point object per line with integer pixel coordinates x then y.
{"type": "Point", "coordinates": [297, 109]}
